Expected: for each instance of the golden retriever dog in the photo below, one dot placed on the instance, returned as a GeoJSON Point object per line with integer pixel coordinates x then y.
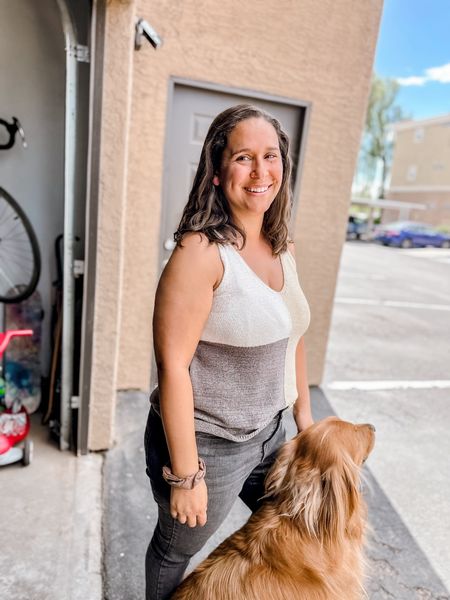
{"type": "Point", "coordinates": [306, 541]}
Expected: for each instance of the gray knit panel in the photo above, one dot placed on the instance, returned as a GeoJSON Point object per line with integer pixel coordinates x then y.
{"type": "Point", "coordinates": [237, 390]}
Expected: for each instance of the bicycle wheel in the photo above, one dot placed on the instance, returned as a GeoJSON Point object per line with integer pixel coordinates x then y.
{"type": "Point", "coordinates": [20, 259]}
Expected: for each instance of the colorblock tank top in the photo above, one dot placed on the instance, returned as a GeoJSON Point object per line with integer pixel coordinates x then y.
{"type": "Point", "coordinates": [243, 370]}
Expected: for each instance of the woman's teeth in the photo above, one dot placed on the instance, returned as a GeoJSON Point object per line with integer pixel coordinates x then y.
{"type": "Point", "coordinates": [258, 190]}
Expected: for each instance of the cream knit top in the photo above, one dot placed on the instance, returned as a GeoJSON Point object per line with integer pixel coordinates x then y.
{"type": "Point", "coordinates": [243, 370]}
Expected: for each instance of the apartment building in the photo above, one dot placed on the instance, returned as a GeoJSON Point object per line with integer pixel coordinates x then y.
{"type": "Point", "coordinates": [421, 168]}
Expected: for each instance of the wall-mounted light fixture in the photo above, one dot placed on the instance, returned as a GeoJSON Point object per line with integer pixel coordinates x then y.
{"type": "Point", "coordinates": [144, 29]}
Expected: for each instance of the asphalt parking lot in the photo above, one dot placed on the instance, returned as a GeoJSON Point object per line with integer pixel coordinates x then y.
{"type": "Point", "coordinates": [388, 362]}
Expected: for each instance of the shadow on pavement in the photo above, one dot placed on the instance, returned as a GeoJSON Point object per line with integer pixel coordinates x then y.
{"type": "Point", "coordinates": [398, 569]}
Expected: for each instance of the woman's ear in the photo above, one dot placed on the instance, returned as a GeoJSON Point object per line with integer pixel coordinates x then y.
{"type": "Point", "coordinates": [216, 180]}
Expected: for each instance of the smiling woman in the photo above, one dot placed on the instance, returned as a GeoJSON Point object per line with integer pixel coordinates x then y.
{"type": "Point", "coordinates": [228, 333]}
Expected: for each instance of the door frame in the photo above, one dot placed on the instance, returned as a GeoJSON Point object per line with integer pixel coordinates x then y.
{"type": "Point", "coordinates": [70, 146]}
{"type": "Point", "coordinates": [68, 401]}
{"type": "Point", "coordinates": [97, 52]}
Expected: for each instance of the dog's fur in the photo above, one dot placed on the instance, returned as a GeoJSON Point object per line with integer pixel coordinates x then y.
{"type": "Point", "coordinates": [306, 541]}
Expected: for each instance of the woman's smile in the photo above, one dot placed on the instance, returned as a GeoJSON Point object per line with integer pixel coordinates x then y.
{"type": "Point", "coordinates": [258, 190]}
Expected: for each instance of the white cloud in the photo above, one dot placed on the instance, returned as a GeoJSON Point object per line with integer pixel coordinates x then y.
{"type": "Point", "coordinates": [440, 74]}
{"type": "Point", "coordinates": [414, 80]}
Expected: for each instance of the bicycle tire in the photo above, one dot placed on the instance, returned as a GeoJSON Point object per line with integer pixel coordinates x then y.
{"type": "Point", "coordinates": [20, 258]}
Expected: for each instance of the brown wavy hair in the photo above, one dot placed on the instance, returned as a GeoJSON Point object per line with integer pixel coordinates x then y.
{"type": "Point", "coordinates": [207, 210]}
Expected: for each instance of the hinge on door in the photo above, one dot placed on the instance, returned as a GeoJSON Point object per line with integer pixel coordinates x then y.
{"type": "Point", "coordinates": [78, 268]}
{"type": "Point", "coordinates": [75, 402]}
{"type": "Point", "coordinates": [82, 53]}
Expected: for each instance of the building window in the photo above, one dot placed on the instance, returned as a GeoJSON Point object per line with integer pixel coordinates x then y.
{"type": "Point", "coordinates": [419, 134]}
{"type": "Point", "coordinates": [411, 173]}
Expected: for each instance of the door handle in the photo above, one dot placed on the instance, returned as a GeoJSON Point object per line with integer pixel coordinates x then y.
{"type": "Point", "coordinates": [170, 244]}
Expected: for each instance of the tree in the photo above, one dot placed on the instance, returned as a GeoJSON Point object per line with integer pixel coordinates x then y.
{"type": "Point", "coordinates": [376, 147]}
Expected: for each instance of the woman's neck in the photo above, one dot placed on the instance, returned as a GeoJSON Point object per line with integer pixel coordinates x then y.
{"type": "Point", "coordinates": [252, 229]}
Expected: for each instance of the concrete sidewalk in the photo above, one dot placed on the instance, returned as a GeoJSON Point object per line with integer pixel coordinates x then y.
{"type": "Point", "coordinates": [50, 525]}
{"type": "Point", "coordinates": [398, 567]}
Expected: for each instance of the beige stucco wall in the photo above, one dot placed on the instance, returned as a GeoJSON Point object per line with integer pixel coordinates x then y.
{"type": "Point", "coordinates": [317, 52]}
{"type": "Point", "coordinates": [112, 204]}
{"type": "Point", "coordinates": [429, 155]}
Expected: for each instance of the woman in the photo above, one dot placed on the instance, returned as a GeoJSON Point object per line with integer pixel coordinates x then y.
{"type": "Point", "coordinates": [228, 325]}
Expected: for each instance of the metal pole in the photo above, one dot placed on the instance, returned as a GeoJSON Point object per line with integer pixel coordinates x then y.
{"type": "Point", "coordinates": [69, 202]}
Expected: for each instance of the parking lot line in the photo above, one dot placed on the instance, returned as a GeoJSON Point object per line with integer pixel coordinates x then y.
{"type": "Point", "coordinates": [393, 303]}
{"type": "Point", "coordinates": [434, 254]}
{"type": "Point", "coordinates": [388, 385]}
{"type": "Point", "coordinates": [426, 252]}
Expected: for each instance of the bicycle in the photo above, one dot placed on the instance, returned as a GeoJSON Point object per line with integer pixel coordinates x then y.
{"type": "Point", "coordinates": [20, 258]}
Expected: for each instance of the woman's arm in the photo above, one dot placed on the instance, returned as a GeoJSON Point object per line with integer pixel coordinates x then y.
{"type": "Point", "coordinates": [302, 406]}
{"type": "Point", "coordinates": [182, 305]}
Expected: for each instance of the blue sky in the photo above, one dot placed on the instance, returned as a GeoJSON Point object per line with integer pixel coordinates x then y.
{"type": "Point", "coordinates": [414, 48]}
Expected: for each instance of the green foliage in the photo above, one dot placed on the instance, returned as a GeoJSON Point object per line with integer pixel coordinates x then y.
{"type": "Point", "coordinates": [376, 146]}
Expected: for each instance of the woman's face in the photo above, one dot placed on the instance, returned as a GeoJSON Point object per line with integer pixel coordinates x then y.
{"type": "Point", "coordinates": [252, 168]}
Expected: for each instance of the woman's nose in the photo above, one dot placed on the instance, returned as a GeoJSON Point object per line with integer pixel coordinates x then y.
{"type": "Point", "coordinates": [257, 170]}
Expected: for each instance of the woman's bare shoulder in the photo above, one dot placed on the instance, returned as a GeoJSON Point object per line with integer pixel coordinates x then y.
{"type": "Point", "coordinates": [196, 256]}
{"type": "Point", "coordinates": [195, 240]}
{"type": "Point", "coordinates": [197, 246]}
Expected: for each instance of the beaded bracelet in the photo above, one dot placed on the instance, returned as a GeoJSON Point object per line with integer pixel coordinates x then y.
{"type": "Point", "coordinates": [187, 483]}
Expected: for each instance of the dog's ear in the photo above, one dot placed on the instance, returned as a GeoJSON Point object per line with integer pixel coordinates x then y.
{"type": "Point", "coordinates": [303, 499]}
{"type": "Point", "coordinates": [276, 476]}
{"type": "Point", "coordinates": [297, 485]}
{"type": "Point", "coordinates": [341, 499]}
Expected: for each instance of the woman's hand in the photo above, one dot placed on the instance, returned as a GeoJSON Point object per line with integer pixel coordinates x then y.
{"type": "Point", "coordinates": [189, 506]}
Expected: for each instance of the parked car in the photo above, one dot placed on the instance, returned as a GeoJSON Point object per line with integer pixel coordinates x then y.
{"type": "Point", "coordinates": [356, 226]}
{"type": "Point", "coordinates": [409, 234]}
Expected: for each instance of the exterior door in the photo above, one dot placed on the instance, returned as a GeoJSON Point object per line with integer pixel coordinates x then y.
{"type": "Point", "coordinates": [192, 111]}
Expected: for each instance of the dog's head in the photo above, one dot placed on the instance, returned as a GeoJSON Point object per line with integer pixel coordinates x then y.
{"type": "Point", "coordinates": [316, 477]}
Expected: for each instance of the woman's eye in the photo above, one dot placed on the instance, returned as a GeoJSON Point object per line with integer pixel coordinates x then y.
{"type": "Point", "coordinates": [271, 156]}
{"type": "Point", "coordinates": [242, 158]}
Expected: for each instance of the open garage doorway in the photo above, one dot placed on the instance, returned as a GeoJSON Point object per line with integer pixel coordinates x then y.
{"type": "Point", "coordinates": [44, 60]}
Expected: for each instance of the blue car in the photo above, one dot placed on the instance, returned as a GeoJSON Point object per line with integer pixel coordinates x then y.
{"type": "Point", "coordinates": [409, 234]}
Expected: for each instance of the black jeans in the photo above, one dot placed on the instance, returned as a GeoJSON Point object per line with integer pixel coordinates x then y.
{"type": "Point", "coordinates": [233, 469]}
